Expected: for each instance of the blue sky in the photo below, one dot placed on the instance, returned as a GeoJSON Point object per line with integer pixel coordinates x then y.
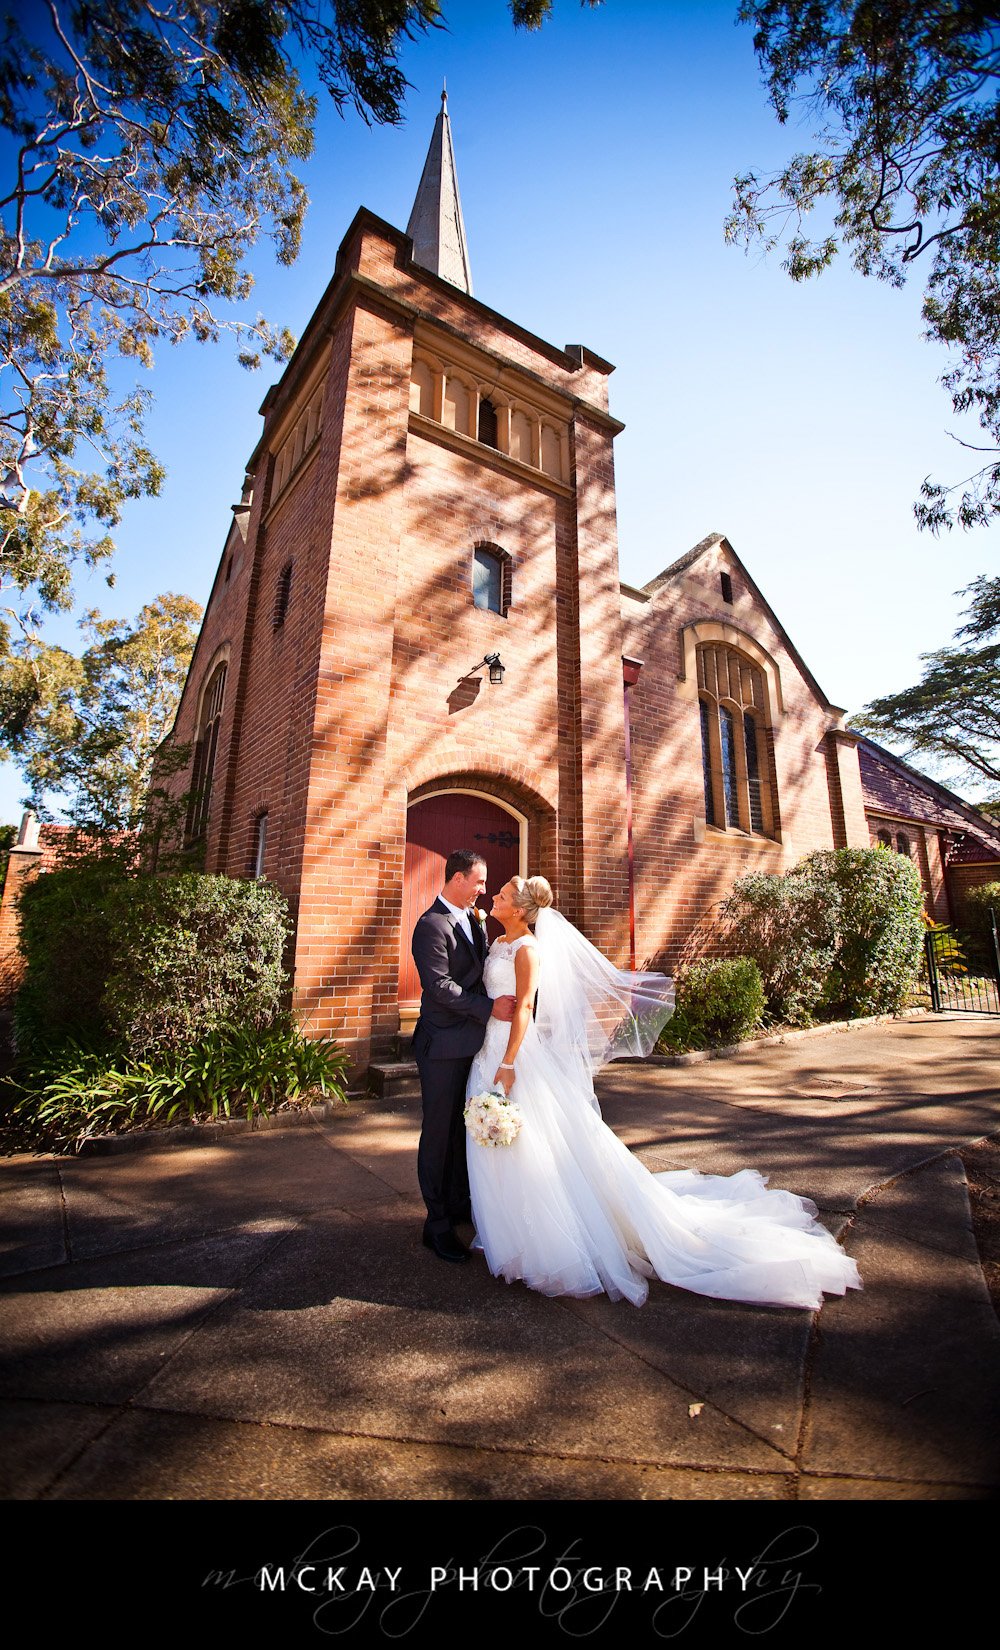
{"type": "Point", "coordinates": [595, 160]}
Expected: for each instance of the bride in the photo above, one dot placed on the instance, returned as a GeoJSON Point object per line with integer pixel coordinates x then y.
{"type": "Point", "coordinates": [567, 1207]}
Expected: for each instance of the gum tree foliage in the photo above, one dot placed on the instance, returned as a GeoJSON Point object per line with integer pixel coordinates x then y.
{"type": "Point", "coordinates": [151, 146]}
{"type": "Point", "coordinates": [952, 714]}
{"type": "Point", "coordinates": [907, 159]}
{"type": "Point", "coordinates": [86, 728]}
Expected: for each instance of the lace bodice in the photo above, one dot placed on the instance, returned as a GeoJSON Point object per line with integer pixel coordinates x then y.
{"type": "Point", "coordinates": [498, 974]}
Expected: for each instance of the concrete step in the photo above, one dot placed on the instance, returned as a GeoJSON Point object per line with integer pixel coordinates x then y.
{"type": "Point", "coordinates": [394, 1079]}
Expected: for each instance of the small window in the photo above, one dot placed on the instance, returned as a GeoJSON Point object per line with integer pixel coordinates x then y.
{"type": "Point", "coordinates": [884, 839]}
{"type": "Point", "coordinates": [229, 569]}
{"type": "Point", "coordinates": [282, 595]}
{"type": "Point", "coordinates": [902, 843]}
{"type": "Point", "coordinates": [488, 580]}
{"type": "Point", "coordinates": [727, 588]}
{"type": "Point", "coordinates": [260, 847]}
{"type": "Point", "coordinates": [487, 423]}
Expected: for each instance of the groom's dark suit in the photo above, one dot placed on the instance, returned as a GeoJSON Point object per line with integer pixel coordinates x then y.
{"type": "Point", "coordinates": [454, 1009]}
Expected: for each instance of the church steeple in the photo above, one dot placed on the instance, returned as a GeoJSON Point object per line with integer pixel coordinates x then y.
{"type": "Point", "coordinates": [436, 225]}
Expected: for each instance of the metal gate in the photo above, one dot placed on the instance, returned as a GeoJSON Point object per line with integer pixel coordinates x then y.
{"type": "Point", "coordinates": [963, 969]}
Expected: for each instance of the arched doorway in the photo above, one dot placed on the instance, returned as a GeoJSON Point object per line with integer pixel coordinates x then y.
{"type": "Point", "coordinates": [435, 826]}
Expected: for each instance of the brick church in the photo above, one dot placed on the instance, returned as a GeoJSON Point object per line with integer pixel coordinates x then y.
{"type": "Point", "coordinates": [418, 638]}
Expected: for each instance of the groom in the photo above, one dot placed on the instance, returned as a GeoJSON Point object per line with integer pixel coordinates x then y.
{"type": "Point", "coordinates": [449, 949]}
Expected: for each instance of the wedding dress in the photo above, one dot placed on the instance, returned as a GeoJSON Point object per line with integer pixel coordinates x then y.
{"type": "Point", "coordinates": [569, 1210]}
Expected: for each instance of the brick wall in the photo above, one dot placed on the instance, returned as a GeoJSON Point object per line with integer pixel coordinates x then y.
{"type": "Point", "coordinates": [371, 693]}
{"type": "Point", "coordinates": [683, 866]}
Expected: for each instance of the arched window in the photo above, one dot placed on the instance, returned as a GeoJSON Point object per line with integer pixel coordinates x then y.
{"type": "Point", "coordinates": [200, 794]}
{"type": "Point", "coordinates": [736, 761]}
{"type": "Point", "coordinates": [491, 578]}
{"type": "Point", "coordinates": [884, 839]}
{"type": "Point", "coordinates": [902, 843]}
{"type": "Point", "coordinates": [487, 423]}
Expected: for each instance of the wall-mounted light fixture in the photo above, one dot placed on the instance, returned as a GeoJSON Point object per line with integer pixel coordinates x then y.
{"type": "Point", "coordinates": [496, 668]}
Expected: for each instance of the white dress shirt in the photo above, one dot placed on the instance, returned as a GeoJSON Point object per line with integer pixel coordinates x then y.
{"type": "Point", "coordinates": [464, 920]}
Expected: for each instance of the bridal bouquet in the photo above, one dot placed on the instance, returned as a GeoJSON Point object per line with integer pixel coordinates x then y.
{"type": "Point", "coordinates": [492, 1119]}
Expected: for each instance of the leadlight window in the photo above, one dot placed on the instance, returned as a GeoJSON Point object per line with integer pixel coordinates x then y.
{"type": "Point", "coordinates": [260, 846]}
{"type": "Point", "coordinates": [736, 762]}
{"type": "Point", "coordinates": [706, 760]}
{"type": "Point", "coordinates": [200, 795]}
{"type": "Point", "coordinates": [750, 738]}
{"type": "Point", "coordinates": [902, 843]}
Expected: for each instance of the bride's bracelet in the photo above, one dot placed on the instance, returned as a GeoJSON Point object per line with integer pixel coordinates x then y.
{"type": "Point", "coordinates": [505, 1067]}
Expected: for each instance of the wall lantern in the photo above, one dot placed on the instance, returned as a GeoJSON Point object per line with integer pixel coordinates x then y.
{"type": "Point", "coordinates": [496, 669]}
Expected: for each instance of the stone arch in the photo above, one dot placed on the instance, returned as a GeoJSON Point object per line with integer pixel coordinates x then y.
{"type": "Point", "coordinates": [512, 823]}
{"type": "Point", "coordinates": [729, 635]}
{"type": "Point", "coordinates": [219, 657]}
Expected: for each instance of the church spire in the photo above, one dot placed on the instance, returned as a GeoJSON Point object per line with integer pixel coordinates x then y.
{"type": "Point", "coordinates": [436, 225]}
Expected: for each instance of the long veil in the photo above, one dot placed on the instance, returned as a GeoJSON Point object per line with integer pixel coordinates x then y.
{"type": "Point", "coordinates": [589, 1011]}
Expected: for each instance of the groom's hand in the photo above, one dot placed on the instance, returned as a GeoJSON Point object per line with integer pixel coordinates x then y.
{"type": "Point", "coordinates": [503, 1008]}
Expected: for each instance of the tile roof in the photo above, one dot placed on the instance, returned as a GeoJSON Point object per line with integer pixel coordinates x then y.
{"type": "Point", "coordinates": [892, 787]}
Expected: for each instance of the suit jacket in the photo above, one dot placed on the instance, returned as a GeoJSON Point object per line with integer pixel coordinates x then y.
{"type": "Point", "coordinates": [454, 1007]}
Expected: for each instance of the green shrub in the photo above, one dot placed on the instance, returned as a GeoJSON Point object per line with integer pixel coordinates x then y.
{"type": "Point", "coordinates": [880, 926]}
{"type": "Point", "coordinates": [80, 1092]}
{"type": "Point", "coordinates": [150, 999]}
{"type": "Point", "coordinates": [66, 922]}
{"type": "Point", "coordinates": [788, 925]}
{"type": "Point", "coordinates": [146, 963]}
{"type": "Point", "coordinates": [719, 1001]}
{"type": "Point", "coordinates": [979, 902]}
{"type": "Point", "coordinates": [191, 953]}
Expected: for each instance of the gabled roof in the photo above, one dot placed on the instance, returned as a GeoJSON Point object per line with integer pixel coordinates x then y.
{"type": "Point", "coordinates": [648, 592]}
{"type": "Point", "coordinates": [890, 786]}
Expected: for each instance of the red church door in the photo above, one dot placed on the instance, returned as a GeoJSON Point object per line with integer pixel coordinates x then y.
{"type": "Point", "coordinates": [434, 829]}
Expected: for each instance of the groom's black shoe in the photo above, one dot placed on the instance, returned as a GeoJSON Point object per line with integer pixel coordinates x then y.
{"type": "Point", "coordinates": [445, 1245]}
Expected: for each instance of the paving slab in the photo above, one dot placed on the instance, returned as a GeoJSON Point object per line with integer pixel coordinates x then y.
{"type": "Point", "coordinates": [146, 1455]}
{"type": "Point", "coordinates": [121, 1202]}
{"type": "Point", "coordinates": [905, 1385]}
{"type": "Point", "coordinates": [38, 1441]}
{"type": "Point", "coordinates": [258, 1316]}
{"type": "Point", "coordinates": [33, 1231]}
{"type": "Point", "coordinates": [810, 1488]}
{"type": "Point", "coordinates": [98, 1330]}
{"type": "Point", "coordinates": [495, 1366]}
{"type": "Point", "coordinates": [747, 1364]}
{"type": "Point", "coordinates": [943, 1220]}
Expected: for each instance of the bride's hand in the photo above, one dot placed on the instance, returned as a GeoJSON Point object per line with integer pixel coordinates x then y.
{"type": "Point", "coordinates": [504, 1079]}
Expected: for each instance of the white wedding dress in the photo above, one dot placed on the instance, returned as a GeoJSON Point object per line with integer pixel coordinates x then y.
{"type": "Point", "coordinates": [570, 1211]}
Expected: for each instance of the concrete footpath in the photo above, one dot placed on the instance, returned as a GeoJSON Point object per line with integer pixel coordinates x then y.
{"type": "Point", "coordinates": [257, 1317]}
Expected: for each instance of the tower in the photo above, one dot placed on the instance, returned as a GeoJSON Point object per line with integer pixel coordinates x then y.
{"type": "Point", "coordinates": [434, 484]}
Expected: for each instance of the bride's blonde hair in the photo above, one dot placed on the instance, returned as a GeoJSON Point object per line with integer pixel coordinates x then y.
{"type": "Point", "coordinates": [531, 895]}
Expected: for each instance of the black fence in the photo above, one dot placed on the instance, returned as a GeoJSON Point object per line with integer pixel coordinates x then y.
{"type": "Point", "coordinates": [963, 969]}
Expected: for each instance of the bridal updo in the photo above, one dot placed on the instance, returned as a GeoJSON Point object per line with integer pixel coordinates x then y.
{"type": "Point", "coordinates": [531, 895]}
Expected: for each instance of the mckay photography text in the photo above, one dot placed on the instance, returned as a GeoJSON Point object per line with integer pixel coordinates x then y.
{"type": "Point", "coordinates": [340, 1584]}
